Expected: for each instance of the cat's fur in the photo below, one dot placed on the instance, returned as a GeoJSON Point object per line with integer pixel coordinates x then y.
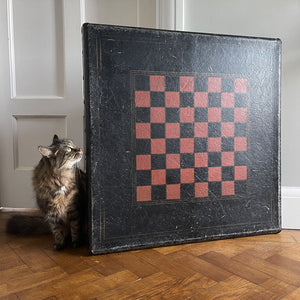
{"type": "Point", "coordinates": [60, 190]}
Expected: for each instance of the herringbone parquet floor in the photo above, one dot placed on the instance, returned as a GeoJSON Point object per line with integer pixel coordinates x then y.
{"type": "Point", "coordinates": [260, 267]}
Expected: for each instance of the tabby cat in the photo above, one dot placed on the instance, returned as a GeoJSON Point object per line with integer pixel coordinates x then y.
{"type": "Point", "coordinates": [60, 190]}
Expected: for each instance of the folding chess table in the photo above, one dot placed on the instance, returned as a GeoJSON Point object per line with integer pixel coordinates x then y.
{"type": "Point", "coordinates": [182, 136]}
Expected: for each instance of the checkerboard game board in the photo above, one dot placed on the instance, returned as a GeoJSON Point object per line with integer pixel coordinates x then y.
{"type": "Point", "coordinates": [190, 136]}
{"type": "Point", "coordinates": [182, 136]}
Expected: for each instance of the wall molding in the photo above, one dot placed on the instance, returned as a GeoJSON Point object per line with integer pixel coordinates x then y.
{"type": "Point", "coordinates": [170, 14]}
{"type": "Point", "coordinates": [11, 47]}
{"type": "Point", "coordinates": [290, 207]}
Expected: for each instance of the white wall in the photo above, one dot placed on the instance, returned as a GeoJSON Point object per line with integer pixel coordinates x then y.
{"type": "Point", "coordinates": [140, 13]}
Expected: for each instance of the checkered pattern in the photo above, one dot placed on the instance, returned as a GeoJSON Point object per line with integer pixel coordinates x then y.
{"type": "Point", "coordinates": [190, 136]}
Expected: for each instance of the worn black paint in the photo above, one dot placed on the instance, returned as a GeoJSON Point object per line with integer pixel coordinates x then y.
{"type": "Point", "coordinates": [117, 221]}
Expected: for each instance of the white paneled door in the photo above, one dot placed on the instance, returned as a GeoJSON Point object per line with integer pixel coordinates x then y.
{"type": "Point", "coordinates": [40, 87]}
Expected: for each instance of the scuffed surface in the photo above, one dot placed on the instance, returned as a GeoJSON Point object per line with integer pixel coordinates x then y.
{"type": "Point", "coordinates": [117, 221]}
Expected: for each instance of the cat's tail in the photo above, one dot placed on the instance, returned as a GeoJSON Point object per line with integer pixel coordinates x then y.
{"type": "Point", "coordinates": [27, 225]}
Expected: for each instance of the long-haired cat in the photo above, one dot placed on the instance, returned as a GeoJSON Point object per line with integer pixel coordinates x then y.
{"type": "Point", "coordinates": [60, 190]}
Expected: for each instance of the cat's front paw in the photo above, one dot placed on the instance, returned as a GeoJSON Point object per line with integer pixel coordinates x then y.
{"type": "Point", "coordinates": [58, 247]}
{"type": "Point", "coordinates": [76, 244]}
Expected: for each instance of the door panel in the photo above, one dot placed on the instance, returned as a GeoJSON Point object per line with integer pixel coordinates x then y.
{"type": "Point", "coordinates": [41, 87]}
{"type": "Point", "coordinates": [36, 31]}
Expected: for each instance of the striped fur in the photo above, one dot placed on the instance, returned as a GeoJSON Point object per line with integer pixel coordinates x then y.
{"type": "Point", "coordinates": [60, 191]}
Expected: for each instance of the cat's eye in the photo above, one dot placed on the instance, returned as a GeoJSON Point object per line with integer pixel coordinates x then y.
{"type": "Point", "coordinates": [69, 149]}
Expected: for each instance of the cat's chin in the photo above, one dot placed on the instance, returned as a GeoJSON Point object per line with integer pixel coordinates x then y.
{"type": "Point", "coordinates": [72, 163]}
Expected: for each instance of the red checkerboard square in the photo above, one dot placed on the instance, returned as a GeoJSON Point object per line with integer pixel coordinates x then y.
{"type": "Point", "coordinates": [143, 193]}
{"type": "Point", "coordinates": [227, 159]}
{"type": "Point", "coordinates": [214, 114]}
{"type": "Point", "coordinates": [157, 83]}
{"type": "Point", "coordinates": [200, 129]}
{"type": "Point", "coordinates": [187, 114]}
{"type": "Point", "coordinates": [214, 174]}
{"type": "Point", "coordinates": [240, 144]}
{"type": "Point", "coordinates": [187, 175]}
{"type": "Point", "coordinates": [227, 129]}
{"type": "Point", "coordinates": [214, 84]}
{"type": "Point", "coordinates": [186, 83]}
{"type": "Point", "coordinates": [158, 177]}
{"type": "Point", "coordinates": [173, 191]}
{"type": "Point", "coordinates": [200, 99]}
{"type": "Point", "coordinates": [172, 99]}
{"type": "Point", "coordinates": [240, 85]}
{"type": "Point", "coordinates": [173, 161]}
{"type": "Point", "coordinates": [240, 114]}
{"type": "Point", "coordinates": [227, 188]}
{"type": "Point", "coordinates": [142, 130]}
{"type": "Point", "coordinates": [227, 99]}
{"type": "Point", "coordinates": [158, 146]}
{"type": "Point", "coordinates": [172, 130]}
{"type": "Point", "coordinates": [201, 189]}
{"type": "Point", "coordinates": [214, 144]}
{"type": "Point", "coordinates": [157, 114]}
{"type": "Point", "coordinates": [240, 172]}
{"type": "Point", "coordinates": [142, 99]}
{"type": "Point", "coordinates": [143, 162]}
{"type": "Point", "coordinates": [201, 160]}
{"type": "Point", "coordinates": [186, 145]}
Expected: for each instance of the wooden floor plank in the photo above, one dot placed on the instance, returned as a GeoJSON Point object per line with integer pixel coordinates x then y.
{"type": "Point", "coordinates": [135, 264]}
{"type": "Point", "coordinates": [259, 293]}
{"type": "Point", "coordinates": [9, 259]}
{"type": "Point", "coordinates": [68, 260]}
{"type": "Point", "coordinates": [171, 249]}
{"type": "Point", "coordinates": [36, 259]}
{"type": "Point", "coordinates": [183, 289]}
{"type": "Point", "coordinates": [201, 266]}
{"type": "Point", "coordinates": [59, 286]}
{"type": "Point", "coordinates": [285, 262]}
{"type": "Point", "coordinates": [295, 295]}
{"type": "Point", "coordinates": [30, 281]}
{"type": "Point", "coordinates": [266, 249]}
{"type": "Point", "coordinates": [144, 288]}
{"type": "Point", "coordinates": [285, 236]}
{"type": "Point", "coordinates": [235, 267]}
{"type": "Point", "coordinates": [291, 252]}
{"type": "Point", "coordinates": [295, 234]}
{"type": "Point", "coordinates": [278, 287]}
{"type": "Point", "coordinates": [10, 297]}
{"type": "Point", "coordinates": [232, 288]}
{"type": "Point", "coordinates": [165, 264]}
{"type": "Point", "coordinates": [14, 272]}
{"type": "Point", "coordinates": [105, 264]}
{"type": "Point", "coordinates": [227, 247]}
{"type": "Point", "coordinates": [100, 286]}
{"type": "Point", "coordinates": [272, 270]}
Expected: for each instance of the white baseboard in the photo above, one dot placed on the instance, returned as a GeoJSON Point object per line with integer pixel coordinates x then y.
{"type": "Point", "coordinates": [290, 207]}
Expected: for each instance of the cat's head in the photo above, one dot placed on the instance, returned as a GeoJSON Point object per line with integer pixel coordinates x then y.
{"type": "Point", "coordinates": [62, 153]}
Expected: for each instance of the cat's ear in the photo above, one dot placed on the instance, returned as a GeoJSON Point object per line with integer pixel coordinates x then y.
{"type": "Point", "coordinates": [55, 138]}
{"type": "Point", "coordinates": [46, 151]}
